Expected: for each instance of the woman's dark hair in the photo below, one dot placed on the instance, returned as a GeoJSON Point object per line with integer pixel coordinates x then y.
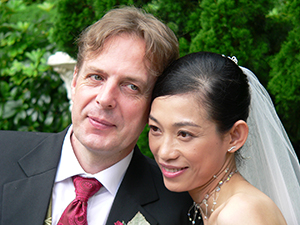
{"type": "Point", "coordinates": [219, 83]}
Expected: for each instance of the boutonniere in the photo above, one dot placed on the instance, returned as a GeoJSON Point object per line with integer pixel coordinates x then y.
{"type": "Point", "coordinates": [138, 219]}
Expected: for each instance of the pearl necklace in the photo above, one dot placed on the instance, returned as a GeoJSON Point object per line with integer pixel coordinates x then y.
{"type": "Point", "coordinates": [214, 194]}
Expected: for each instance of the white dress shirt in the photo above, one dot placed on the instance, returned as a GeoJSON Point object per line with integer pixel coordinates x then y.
{"type": "Point", "coordinates": [100, 204]}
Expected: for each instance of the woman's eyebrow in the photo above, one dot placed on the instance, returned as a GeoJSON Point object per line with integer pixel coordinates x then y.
{"type": "Point", "coordinates": [178, 124]}
{"type": "Point", "coordinates": [152, 118]}
{"type": "Point", "coordinates": [185, 123]}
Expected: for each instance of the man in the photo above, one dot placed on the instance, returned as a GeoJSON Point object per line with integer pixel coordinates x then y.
{"type": "Point", "coordinates": [119, 58]}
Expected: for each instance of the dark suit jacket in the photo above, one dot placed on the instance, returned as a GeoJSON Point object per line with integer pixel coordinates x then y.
{"type": "Point", "coordinates": [27, 171]}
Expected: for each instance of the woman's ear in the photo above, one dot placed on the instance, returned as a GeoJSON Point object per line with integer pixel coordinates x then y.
{"type": "Point", "coordinates": [238, 135]}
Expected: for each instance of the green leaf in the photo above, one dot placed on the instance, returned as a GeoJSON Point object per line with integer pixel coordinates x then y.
{"type": "Point", "coordinates": [11, 108]}
{"type": "Point", "coordinates": [46, 6]}
{"type": "Point", "coordinates": [4, 89]}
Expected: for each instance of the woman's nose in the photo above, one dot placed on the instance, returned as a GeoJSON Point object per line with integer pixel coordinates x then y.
{"type": "Point", "coordinates": [167, 149]}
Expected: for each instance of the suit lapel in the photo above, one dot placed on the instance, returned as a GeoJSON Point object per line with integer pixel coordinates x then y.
{"type": "Point", "coordinates": [30, 196]}
{"type": "Point", "coordinates": [130, 199]}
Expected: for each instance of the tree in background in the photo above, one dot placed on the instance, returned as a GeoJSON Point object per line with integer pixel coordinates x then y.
{"type": "Point", "coordinates": [180, 16]}
{"type": "Point", "coordinates": [236, 28]}
{"type": "Point", "coordinates": [32, 96]}
{"type": "Point", "coordinates": [73, 16]}
{"type": "Point", "coordinates": [285, 74]}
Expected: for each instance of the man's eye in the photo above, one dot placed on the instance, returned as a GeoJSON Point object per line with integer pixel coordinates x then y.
{"type": "Point", "coordinates": [96, 77]}
{"type": "Point", "coordinates": [133, 87]}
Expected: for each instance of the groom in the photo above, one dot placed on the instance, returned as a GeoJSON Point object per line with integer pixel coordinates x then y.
{"type": "Point", "coordinates": [119, 58]}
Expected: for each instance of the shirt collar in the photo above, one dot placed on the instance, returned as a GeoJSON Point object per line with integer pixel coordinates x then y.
{"type": "Point", "coordinates": [69, 166]}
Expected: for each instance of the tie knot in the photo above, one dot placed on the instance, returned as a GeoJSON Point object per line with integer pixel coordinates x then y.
{"type": "Point", "coordinates": [85, 187]}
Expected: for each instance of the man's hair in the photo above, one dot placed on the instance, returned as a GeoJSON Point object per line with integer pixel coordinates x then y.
{"type": "Point", "coordinates": [161, 42]}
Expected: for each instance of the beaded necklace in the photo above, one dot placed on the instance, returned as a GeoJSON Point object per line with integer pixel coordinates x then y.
{"type": "Point", "coordinates": [214, 194]}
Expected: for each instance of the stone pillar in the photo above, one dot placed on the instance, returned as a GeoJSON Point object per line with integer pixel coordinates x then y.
{"type": "Point", "coordinates": [64, 65]}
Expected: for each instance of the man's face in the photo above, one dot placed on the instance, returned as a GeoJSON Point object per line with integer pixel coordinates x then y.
{"type": "Point", "coordinates": [111, 97]}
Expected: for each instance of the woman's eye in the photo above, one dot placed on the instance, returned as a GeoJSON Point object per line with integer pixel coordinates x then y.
{"type": "Point", "coordinates": [153, 128]}
{"type": "Point", "coordinates": [184, 134]}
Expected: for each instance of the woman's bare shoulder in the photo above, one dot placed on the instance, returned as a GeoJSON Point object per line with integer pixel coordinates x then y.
{"type": "Point", "coordinates": [250, 207]}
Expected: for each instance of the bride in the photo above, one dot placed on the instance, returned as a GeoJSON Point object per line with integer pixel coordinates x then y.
{"type": "Point", "coordinates": [238, 170]}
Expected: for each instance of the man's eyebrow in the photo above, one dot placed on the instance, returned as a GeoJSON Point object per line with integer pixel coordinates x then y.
{"type": "Point", "coordinates": [95, 69]}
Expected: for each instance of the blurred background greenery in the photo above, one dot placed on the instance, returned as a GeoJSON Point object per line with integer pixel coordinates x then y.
{"type": "Point", "coordinates": [263, 34]}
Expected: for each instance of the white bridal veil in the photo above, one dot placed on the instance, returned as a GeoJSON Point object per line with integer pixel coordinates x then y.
{"type": "Point", "coordinates": [271, 164]}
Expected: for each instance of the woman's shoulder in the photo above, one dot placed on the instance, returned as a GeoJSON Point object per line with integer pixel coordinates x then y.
{"type": "Point", "coordinates": [250, 205]}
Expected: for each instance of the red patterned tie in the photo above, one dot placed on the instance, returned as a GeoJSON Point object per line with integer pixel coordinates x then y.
{"type": "Point", "coordinates": [75, 213]}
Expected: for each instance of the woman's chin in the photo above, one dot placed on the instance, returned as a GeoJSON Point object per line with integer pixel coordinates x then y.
{"type": "Point", "coordinates": [174, 187]}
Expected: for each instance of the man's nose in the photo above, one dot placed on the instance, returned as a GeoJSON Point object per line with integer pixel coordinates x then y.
{"type": "Point", "coordinates": [107, 95]}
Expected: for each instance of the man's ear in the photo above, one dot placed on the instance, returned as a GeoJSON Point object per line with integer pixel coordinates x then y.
{"type": "Point", "coordinates": [238, 135]}
{"type": "Point", "coordinates": [74, 81]}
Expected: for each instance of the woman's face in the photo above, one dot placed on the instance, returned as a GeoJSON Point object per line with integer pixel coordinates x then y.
{"type": "Point", "coordinates": [184, 142]}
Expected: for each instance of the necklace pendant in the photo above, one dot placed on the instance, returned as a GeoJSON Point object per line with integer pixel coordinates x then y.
{"type": "Point", "coordinates": [214, 194]}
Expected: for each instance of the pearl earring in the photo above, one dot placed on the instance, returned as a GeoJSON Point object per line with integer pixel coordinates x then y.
{"type": "Point", "coordinates": [233, 147]}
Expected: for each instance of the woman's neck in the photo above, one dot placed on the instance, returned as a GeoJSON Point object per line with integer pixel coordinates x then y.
{"type": "Point", "coordinates": [205, 197]}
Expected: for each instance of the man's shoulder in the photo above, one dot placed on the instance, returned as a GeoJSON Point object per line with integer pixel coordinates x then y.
{"type": "Point", "coordinates": [9, 139]}
{"type": "Point", "coordinates": [22, 134]}
{"type": "Point", "coordinates": [13, 136]}
{"type": "Point", "coordinates": [17, 143]}
{"type": "Point", "coordinates": [147, 162]}
{"type": "Point", "coordinates": [152, 163]}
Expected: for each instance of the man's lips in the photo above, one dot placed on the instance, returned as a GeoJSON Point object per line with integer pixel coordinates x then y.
{"type": "Point", "coordinates": [100, 123]}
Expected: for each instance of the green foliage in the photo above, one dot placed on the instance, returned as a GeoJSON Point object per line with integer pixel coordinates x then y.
{"type": "Point", "coordinates": [67, 24]}
{"type": "Point", "coordinates": [237, 28]}
{"type": "Point", "coordinates": [180, 16]}
{"type": "Point", "coordinates": [71, 17]}
{"type": "Point", "coordinates": [285, 76]}
{"type": "Point", "coordinates": [32, 96]}
{"type": "Point", "coordinates": [144, 144]}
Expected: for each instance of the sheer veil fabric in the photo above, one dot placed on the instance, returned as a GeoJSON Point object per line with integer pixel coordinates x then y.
{"type": "Point", "coordinates": [270, 162]}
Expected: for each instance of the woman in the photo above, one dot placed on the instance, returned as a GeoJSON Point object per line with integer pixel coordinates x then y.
{"type": "Point", "coordinates": [198, 125]}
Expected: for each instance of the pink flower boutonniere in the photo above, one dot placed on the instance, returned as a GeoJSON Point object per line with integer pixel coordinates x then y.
{"type": "Point", "coordinates": [119, 223]}
{"type": "Point", "coordinates": [138, 219]}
